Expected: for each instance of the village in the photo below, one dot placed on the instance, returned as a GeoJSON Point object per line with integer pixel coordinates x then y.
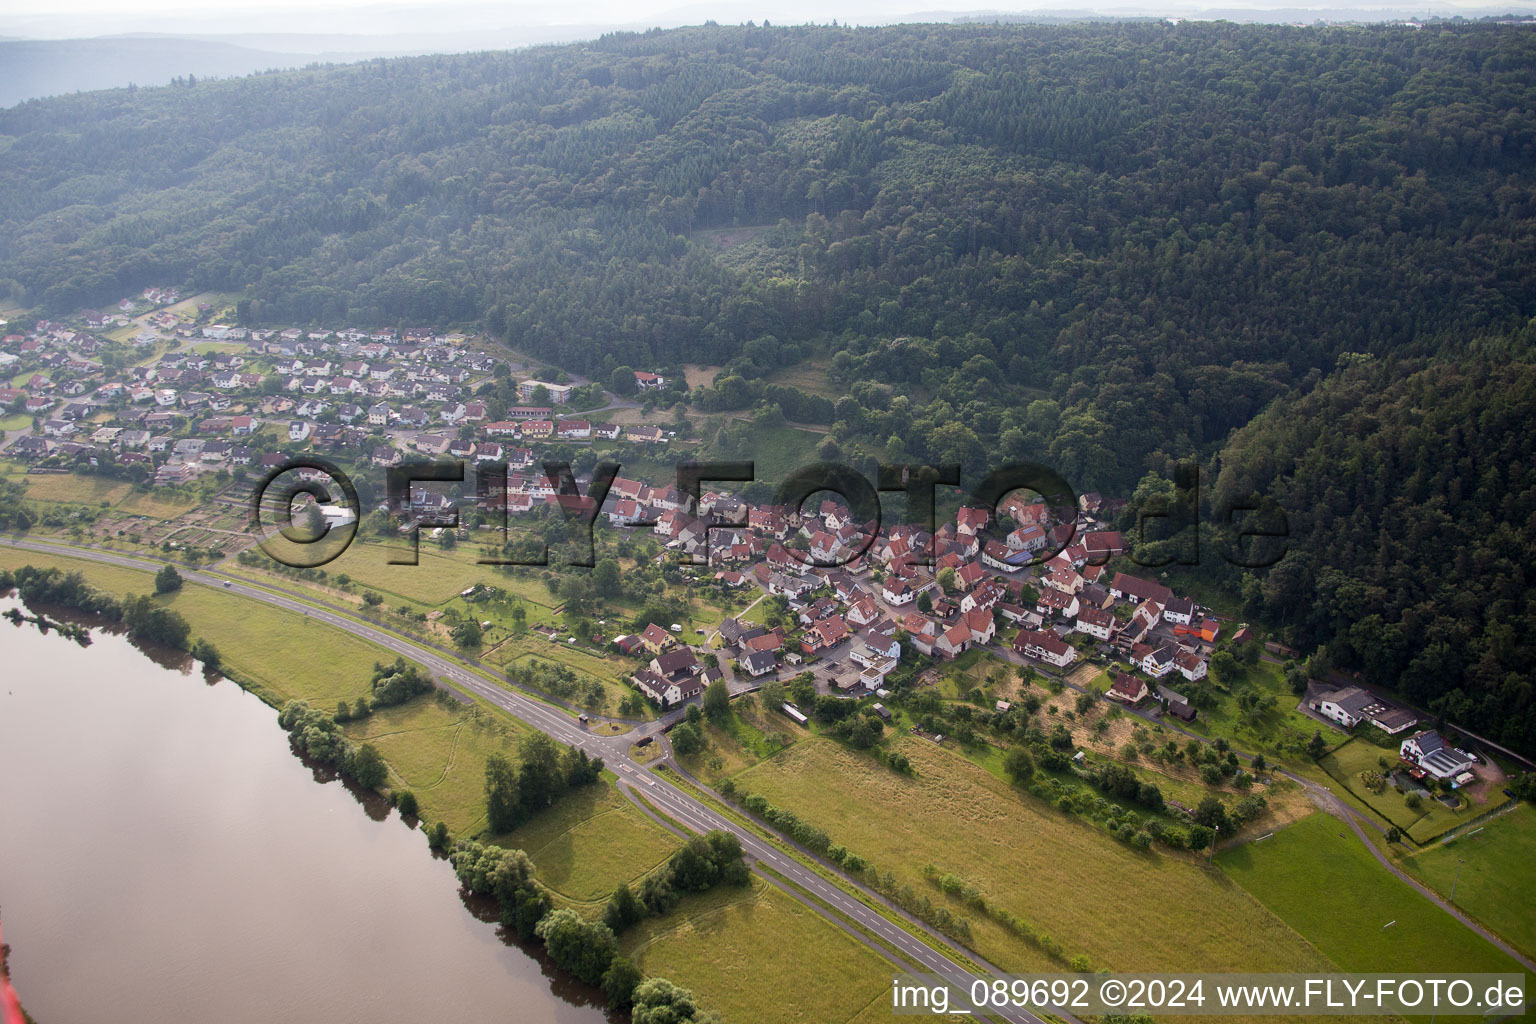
{"type": "Point", "coordinates": [175, 398]}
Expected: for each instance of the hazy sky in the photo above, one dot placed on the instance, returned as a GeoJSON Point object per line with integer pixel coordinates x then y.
{"type": "Point", "coordinates": [61, 18]}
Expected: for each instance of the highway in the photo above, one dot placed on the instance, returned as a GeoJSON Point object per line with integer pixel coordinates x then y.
{"type": "Point", "coordinates": [614, 750]}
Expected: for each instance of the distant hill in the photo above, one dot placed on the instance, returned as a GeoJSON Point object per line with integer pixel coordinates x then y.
{"type": "Point", "coordinates": [37, 68]}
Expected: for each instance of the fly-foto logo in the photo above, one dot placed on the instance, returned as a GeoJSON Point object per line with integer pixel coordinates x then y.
{"type": "Point", "coordinates": [319, 492]}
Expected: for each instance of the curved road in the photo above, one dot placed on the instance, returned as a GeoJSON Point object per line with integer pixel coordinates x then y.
{"type": "Point", "coordinates": [615, 753]}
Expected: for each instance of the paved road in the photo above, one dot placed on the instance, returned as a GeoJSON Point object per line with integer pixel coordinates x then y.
{"type": "Point", "coordinates": [613, 749]}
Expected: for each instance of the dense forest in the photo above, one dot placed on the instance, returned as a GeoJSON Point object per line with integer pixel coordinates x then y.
{"type": "Point", "coordinates": [1410, 491]}
{"type": "Point", "coordinates": [1102, 247]}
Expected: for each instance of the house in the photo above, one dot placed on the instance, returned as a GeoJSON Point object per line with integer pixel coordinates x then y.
{"type": "Point", "coordinates": [1133, 588]}
{"type": "Point", "coordinates": [896, 592]}
{"type": "Point", "coordinates": [1351, 705]}
{"type": "Point", "coordinates": [1044, 646]}
{"type": "Point", "coordinates": [1101, 546]}
{"type": "Point", "coordinates": [558, 394]}
{"type": "Point", "coordinates": [969, 575]}
{"type": "Point", "coordinates": [644, 434]}
{"type": "Point", "coordinates": [1190, 666]}
{"type": "Point", "coordinates": [1056, 602]}
{"type": "Point", "coordinates": [759, 663]}
{"type": "Point", "coordinates": [953, 641]}
{"type": "Point", "coordinates": [1096, 622]}
{"type": "Point", "coordinates": [655, 639]}
{"type": "Point", "coordinates": [1179, 611]}
{"type": "Point", "coordinates": [1127, 689]}
{"type": "Point", "coordinates": [1029, 538]}
{"type": "Point", "coordinates": [981, 624]}
{"type": "Point", "coordinates": [1176, 704]}
{"type": "Point", "coordinates": [1206, 629]}
{"type": "Point", "coordinates": [1433, 753]}
{"type": "Point", "coordinates": [298, 430]}
{"type": "Point", "coordinates": [872, 648]}
{"type": "Point", "coordinates": [649, 381]}
{"type": "Point", "coordinates": [1154, 661]}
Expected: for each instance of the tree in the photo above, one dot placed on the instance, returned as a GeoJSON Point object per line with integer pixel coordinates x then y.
{"type": "Point", "coordinates": [448, 540]}
{"type": "Point", "coordinates": [622, 381]}
{"type": "Point", "coordinates": [368, 767]}
{"type": "Point", "coordinates": [502, 804]}
{"type": "Point", "coordinates": [605, 577]}
{"type": "Point", "coordinates": [771, 695]}
{"type": "Point", "coordinates": [205, 652]}
{"type": "Point", "coordinates": [585, 948]}
{"type": "Point", "coordinates": [371, 599]}
{"type": "Point", "coordinates": [623, 908]}
{"type": "Point", "coordinates": [167, 580]}
{"type": "Point", "coordinates": [658, 1001]}
{"type": "Point", "coordinates": [1212, 813]}
{"type": "Point", "coordinates": [619, 983]}
{"type": "Point", "coordinates": [468, 635]}
{"type": "Point", "coordinates": [717, 700]}
{"type": "Point", "coordinates": [1019, 765]}
{"type": "Point", "coordinates": [405, 803]}
{"type": "Point", "coordinates": [1317, 746]}
{"type": "Point", "coordinates": [540, 778]}
{"type": "Point", "coordinates": [686, 739]}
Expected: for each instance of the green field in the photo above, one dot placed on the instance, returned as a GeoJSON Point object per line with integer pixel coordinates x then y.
{"type": "Point", "coordinates": [74, 488]}
{"type": "Point", "coordinates": [1065, 878]}
{"type": "Point", "coordinates": [439, 576]}
{"type": "Point", "coordinates": [1318, 877]}
{"type": "Point", "coordinates": [778, 451]}
{"type": "Point", "coordinates": [1498, 875]}
{"type": "Point", "coordinates": [592, 841]}
{"type": "Point", "coordinates": [439, 753]}
{"type": "Point", "coordinates": [759, 955]}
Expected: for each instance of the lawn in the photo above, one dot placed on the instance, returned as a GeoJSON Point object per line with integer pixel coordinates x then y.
{"type": "Point", "coordinates": [592, 841]}
{"type": "Point", "coordinates": [17, 421]}
{"type": "Point", "coordinates": [157, 503]}
{"type": "Point", "coordinates": [758, 954]}
{"type": "Point", "coordinates": [439, 576]}
{"type": "Point", "coordinates": [1497, 884]}
{"type": "Point", "coordinates": [777, 452]}
{"type": "Point", "coordinates": [1283, 730]}
{"type": "Point", "coordinates": [72, 487]}
{"type": "Point", "coordinates": [1322, 881]}
{"type": "Point", "coordinates": [1064, 877]}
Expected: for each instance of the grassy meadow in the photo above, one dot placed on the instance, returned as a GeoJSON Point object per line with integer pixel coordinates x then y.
{"type": "Point", "coordinates": [758, 954]}
{"type": "Point", "coordinates": [1053, 872]}
{"type": "Point", "coordinates": [1497, 884]}
{"type": "Point", "coordinates": [1318, 877]}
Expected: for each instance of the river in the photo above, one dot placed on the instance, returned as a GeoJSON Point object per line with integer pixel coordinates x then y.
{"type": "Point", "coordinates": [164, 856]}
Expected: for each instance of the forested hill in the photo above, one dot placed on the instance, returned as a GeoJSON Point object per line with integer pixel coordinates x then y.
{"type": "Point", "coordinates": [1100, 246]}
{"type": "Point", "coordinates": [1411, 495]}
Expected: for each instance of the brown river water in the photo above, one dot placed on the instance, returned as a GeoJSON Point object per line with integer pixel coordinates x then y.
{"type": "Point", "coordinates": [165, 857]}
